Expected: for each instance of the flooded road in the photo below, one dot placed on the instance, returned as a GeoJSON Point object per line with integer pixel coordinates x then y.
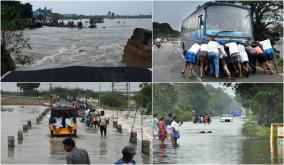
{"type": "Point", "coordinates": [38, 147]}
{"type": "Point", "coordinates": [54, 47]}
{"type": "Point", "coordinates": [225, 145]}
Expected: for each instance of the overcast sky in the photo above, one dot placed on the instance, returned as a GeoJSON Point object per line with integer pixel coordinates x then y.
{"type": "Point", "coordinates": [105, 86]}
{"type": "Point", "coordinates": [173, 12]}
{"type": "Point", "coordinates": [228, 90]}
{"type": "Point", "coordinates": [95, 7]}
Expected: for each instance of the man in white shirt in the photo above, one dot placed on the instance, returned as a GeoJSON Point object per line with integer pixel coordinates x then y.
{"type": "Point", "coordinates": [268, 50]}
{"type": "Point", "coordinates": [203, 59]}
{"type": "Point", "coordinates": [58, 122]}
{"type": "Point", "coordinates": [68, 122]}
{"type": "Point", "coordinates": [244, 59]}
{"type": "Point", "coordinates": [213, 55]}
{"type": "Point", "coordinates": [191, 58]}
{"type": "Point", "coordinates": [235, 57]}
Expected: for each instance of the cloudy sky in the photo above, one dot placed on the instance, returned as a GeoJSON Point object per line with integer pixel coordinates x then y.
{"type": "Point", "coordinates": [173, 12]}
{"type": "Point", "coordinates": [94, 7]}
{"type": "Point", "coordinates": [105, 86]}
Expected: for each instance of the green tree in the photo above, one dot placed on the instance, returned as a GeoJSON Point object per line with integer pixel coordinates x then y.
{"type": "Point", "coordinates": [29, 89]}
{"type": "Point", "coordinates": [114, 99]}
{"type": "Point", "coordinates": [26, 11]}
{"type": "Point", "coordinates": [144, 97]}
{"type": "Point", "coordinates": [263, 100]}
{"type": "Point", "coordinates": [12, 37]}
{"type": "Point", "coordinates": [265, 14]}
{"type": "Point", "coordinates": [187, 100]}
{"type": "Point", "coordinates": [164, 97]}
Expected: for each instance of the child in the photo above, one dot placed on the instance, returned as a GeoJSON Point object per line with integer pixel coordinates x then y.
{"type": "Point", "coordinates": [235, 57]}
{"type": "Point", "coordinates": [266, 46]}
{"type": "Point", "coordinates": [191, 58]}
{"type": "Point", "coordinates": [244, 58]}
{"type": "Point", "coordinates": [203, 59]}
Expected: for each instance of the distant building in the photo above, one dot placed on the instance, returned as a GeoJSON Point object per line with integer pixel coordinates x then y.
{"type": "Point", "coordinates": [42, 12]}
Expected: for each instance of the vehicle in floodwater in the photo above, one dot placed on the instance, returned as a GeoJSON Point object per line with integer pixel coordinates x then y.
{"type": "Point", "coordinates": [227, 22]}
{"type": "Point", "coordinates": [226, 118]}
{"type": "Point", "coordinates": [64, 112]}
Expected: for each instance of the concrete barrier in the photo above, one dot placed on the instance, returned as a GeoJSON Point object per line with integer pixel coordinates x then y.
{"type": "Point", "coordinates": [20, 135]}
{"type": "Point", "coordinates": [37, 120]}
{"type": "Point", "coordinates": [11, 142]}
{"type": "Point", "coordinates": [29, 123]}
{"type": "Point", "coordinates": [114, 124]}
{"type": "Point", "coordinates": [119, 128]}
{"type": "Point", "coordinates": [133, 138]}
{"type": "Point", "coordinates": [146, 147]}
{"type": "Point", "coordinates": [25, 128]}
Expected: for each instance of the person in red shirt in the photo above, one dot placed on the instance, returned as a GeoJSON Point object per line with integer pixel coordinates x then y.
{"type": "Point", "coordinates": [261, 58]}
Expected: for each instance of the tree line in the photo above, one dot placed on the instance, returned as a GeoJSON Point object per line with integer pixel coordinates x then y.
{"type": "Point", "coordinates": [118, 100]}
{"type": "Point", "coordinates": [187, 100]}
{"type": "Point", "coordinates": [263, 101]}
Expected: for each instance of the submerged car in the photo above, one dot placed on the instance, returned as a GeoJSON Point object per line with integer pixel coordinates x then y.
{"type": "Point", "coordinates": [226, 118]}
{"type": "Point", "coordinates": [59, 126]}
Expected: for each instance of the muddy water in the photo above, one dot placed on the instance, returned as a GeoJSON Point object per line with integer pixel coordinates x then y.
{"type": "Point", "coordinates": [54, 47]}
{"type": "Point", "coordinates": [38, 147]}
{"type": "Point", "coordinates": [225, 145]}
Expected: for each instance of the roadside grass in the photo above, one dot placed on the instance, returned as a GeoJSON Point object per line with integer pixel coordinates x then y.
{"type": "Point", "coordinates": [252, 129]}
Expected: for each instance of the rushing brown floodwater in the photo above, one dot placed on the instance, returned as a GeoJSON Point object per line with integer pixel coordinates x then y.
{"type": "Point", "coordinates": [225, 145]}
{"type": "Point", "coordinates": [39, 148]}
{"type": "Point", "coordinates": [54, 47]}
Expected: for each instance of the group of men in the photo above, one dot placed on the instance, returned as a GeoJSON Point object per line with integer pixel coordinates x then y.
{"type": "Point", "coordinates": [93, 117]}
{"type": "Point", "coordinates": [240, 57]}
{"type": "Point", "coordinates": [62, 120]}
{"type": "Point", "coordinates": [202, 119]}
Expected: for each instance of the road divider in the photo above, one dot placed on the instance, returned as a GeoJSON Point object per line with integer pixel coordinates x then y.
{"type": "Point", "coordinates": [146, 147]}
{"type": "Point", "coordinates": [133, 138]}
{"type": "Point", "coordinates": [11, 141]}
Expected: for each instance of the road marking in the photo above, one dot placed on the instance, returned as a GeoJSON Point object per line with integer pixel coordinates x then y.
{"type": "Point", "coordinates": [195, 75]}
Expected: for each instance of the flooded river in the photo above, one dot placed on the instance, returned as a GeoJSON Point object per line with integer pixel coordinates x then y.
{"type": "Point", "coordinates": [38, 148]}
{"type": "Point", "coordinates": [225, 145]}
{"type": "Point", "coordinates": [54, 47]}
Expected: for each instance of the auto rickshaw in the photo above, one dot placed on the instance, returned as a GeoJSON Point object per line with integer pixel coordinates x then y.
{"type": "Point", "coordinates": [57, 122]}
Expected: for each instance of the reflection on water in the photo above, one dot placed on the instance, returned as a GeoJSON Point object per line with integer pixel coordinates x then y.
{"type": "Point", "coordinates": [103, 46]}
{"type": "Point", "coordinates": [225, 144]}
{"type": "Point", "coordinates": [56, 148]}
{"type": "Point", "coordinates": [11, 152]}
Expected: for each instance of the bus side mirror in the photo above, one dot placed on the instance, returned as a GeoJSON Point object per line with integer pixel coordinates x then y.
{"type": "Point", "coordinates": [201, 22]}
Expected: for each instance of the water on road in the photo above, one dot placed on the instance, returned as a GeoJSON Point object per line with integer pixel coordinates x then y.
{"type": "Point", "coordinates": [38, 148]}
{"type": "Point", "coordinates": [54, 47]}
{"type": "Point", "coordinates": [225, 145]}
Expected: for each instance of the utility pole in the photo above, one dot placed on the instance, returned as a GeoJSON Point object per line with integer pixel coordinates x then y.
{"type": "Point", "coordinates": [99, 94]}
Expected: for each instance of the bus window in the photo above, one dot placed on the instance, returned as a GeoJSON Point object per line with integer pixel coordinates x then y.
{"type": "Point", "coordinates": [199, 22]}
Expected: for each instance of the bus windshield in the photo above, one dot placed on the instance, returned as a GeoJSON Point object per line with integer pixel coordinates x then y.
{"type": "Point", "coordinates": [228, 21]}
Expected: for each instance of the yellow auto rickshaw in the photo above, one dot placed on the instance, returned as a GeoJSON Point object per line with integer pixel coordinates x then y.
{"type": "Point", "coordinates": [62, 122]}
